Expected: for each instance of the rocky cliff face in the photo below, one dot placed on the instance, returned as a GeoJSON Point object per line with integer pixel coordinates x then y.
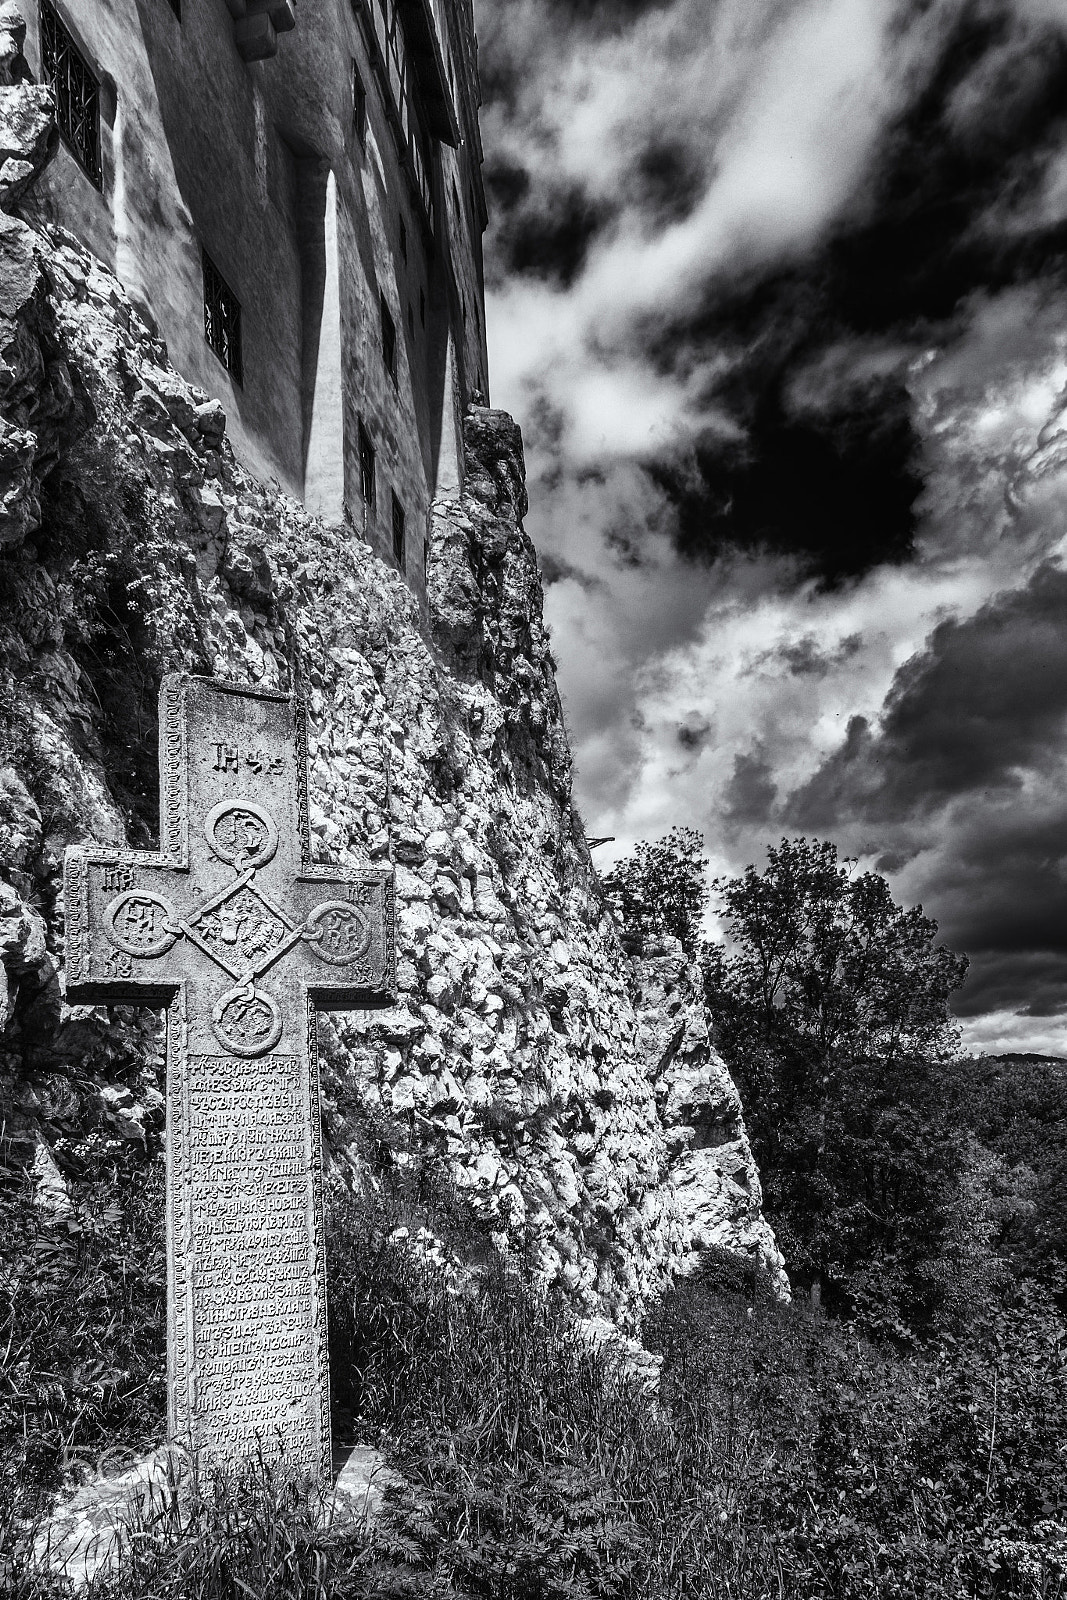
{"type": "Point", "coordinates": [573, 1092]}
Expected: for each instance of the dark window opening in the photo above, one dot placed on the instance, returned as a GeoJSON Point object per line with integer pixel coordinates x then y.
{"type": "Point", "coordinates": [398, 533]}
{"type": "Point", "coordinates": [398, 77]}
{"type": "Point", "coordinates": [403, 239]}
{"type": "Point", "coordinates": [366, 469]}
{"type": "Point", "coordinates": [359, 107]}
{"type": "Point", "coordinates": [388, 340]}
{"type": "Point", "coordinates": [77, 93]}
{"type": "Point", "coordinates": [222, 319]}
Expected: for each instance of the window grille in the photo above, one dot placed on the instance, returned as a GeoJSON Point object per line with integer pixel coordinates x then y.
{"type": "Point", "coordinates": [388, 340]}
{"type": "Point", "coordinates": [366, 469]}
{"type": "Point", "coordinates": [359, 107]}
{"type": "Point", "coordinates": [398, 533]}
{"type": "Point", "coordinates": [76, 90]}
{"type": "Point", "coordinates": [395, 68]}
{"type": "Point", "coordinates": [222, 319]}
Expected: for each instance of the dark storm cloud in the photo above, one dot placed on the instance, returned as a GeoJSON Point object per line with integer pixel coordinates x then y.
{"type": "Point", "coordinates": [835, 488]}
{"type": "Point", "coordinates": [964, 773]}
{"type": "Point", "coordinates": [979, 709]}
{"type": "Point", "coordinates": [831, 477]}
{"type": "Point", "coordinates": [805, 658]}
{"type": "Point", "coordinates": [751, 793]}
{"type": "Point", "coordinates": [549, 235]}
{"type": "Point", "coordinates": [695, 731]}
{"type": "Point", "coordinates": [793, 276]}
{"type": "Point", "coordinates": [1001, 894]}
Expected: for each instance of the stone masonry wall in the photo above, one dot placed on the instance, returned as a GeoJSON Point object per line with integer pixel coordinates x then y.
{"type": "Point", "coordinates": [574, 1094]}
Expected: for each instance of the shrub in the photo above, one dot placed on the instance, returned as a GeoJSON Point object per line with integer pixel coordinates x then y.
{"type": "Point", "coordinates": [82, 1323]}
{"type": "Point", "coordinates": [785, 1453]}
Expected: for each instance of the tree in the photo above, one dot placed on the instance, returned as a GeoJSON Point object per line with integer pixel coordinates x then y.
{"type": "Point", "coordinates": [661, 889]}
{"type": "Point", "coordinates": [831, 1003]}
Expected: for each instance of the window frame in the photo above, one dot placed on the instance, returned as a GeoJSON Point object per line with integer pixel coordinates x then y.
{"type": "Point", "coordinates": [359, 106]}
{"type": "Point", "coordinates": [399, 529]}
{"type": "Point", "coordinates": [367, 479]}
{"type": "Point", "coordinates": [223, 338]}
{"type": "Point", "coordinates": [389, 349]}
{"type": "Point", "coordinates": [59, 48]}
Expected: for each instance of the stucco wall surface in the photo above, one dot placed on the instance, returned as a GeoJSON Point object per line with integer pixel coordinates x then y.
{"type": "Point", "coordinates": [575, 1095]}
{"type": "Point", "coordinates": [261, 164]}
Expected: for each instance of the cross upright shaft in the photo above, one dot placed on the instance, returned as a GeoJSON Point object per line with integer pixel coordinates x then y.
{"type": "Point", "coordinates": [235, 930]}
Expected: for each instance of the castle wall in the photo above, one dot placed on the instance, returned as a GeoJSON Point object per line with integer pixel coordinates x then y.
{"type": "Point", "coordinates": [262, 165]}
{"type": "Point", "coordinates": [573, 1094]}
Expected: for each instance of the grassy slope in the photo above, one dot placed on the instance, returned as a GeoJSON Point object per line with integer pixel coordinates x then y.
{"type": "Point", "coordinates": [784, 1456]}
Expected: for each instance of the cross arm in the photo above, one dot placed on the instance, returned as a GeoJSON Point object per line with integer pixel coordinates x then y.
{"type": "Point", "coordinates": [121, 910]}
{"type": "Point", "coordinates": [346, 955]}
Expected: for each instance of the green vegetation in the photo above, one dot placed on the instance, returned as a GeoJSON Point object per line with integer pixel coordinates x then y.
{"type": "Point", "coordinates": [905, 1442]}
{"type": "Point", "coordinates": [660, 889]}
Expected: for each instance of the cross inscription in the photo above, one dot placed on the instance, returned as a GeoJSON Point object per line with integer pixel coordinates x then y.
{"type": "Point", "coordinates": [233, 928]}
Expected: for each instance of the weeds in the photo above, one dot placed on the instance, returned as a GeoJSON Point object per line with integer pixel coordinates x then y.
{"type": "Point", "coordinates": [784, 1454]}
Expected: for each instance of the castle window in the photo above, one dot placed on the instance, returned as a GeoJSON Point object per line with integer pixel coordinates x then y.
{"type": "Point", "coordinates": [388, 340]}
{"type": "Point", "coordinates": [222, 319]}
{"type": "Point", "coordinates": [77, 92]}
{"type": "Point", "coordinates": [366, 469]}
{"type": "Point", "coordinates": [403, 239]}
{"type": "Point", "coordinates": [398, 533]}
{"type": "Point", "coordinates": [359, 107]}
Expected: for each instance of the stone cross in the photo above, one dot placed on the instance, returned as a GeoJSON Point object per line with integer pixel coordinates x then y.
{"type": "Point", "coordinates": [240, 936]}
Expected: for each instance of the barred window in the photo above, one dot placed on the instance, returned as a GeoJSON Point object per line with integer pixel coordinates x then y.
{"type": "Point", "coordinates": [366, 468]}
{"type": "Point", "coordinates": [388, 340]}
{"type": "Point", "coordinates": [222, 319]}
{"type": "Point", "coordinates": [398, 533]}
{"type": "Point", "coordinates": [77, 92]}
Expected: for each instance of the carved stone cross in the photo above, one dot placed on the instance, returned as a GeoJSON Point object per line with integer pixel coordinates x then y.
{"type": "Point", "coordinates": [240, 936]}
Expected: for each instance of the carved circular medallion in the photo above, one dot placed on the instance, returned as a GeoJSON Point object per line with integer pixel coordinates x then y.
{"type": "Point", "coordinates": [338, 932]}
{"type": "Point", "coordinates": [140, 924]}
{"type": "Point", "coordinates": [247, 1021]}
{"type": "Point", "coordinates": [241, 833]}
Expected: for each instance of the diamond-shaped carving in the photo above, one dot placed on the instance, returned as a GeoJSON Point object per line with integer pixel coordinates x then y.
{"type": "Point", "coordinates": [241, 930]}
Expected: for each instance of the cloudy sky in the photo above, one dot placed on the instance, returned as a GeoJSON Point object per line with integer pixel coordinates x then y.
{"type": "Point", "coordinates": [778, 291]}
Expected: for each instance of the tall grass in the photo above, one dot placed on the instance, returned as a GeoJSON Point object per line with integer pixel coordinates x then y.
{"type": "Point", "coordinates": [782, 1456]}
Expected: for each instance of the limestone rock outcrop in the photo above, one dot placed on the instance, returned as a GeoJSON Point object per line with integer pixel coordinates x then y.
{"type": "Point", "coordinates": [572, 1092]}
{"type": "Point", "coordinates": [28, 133]}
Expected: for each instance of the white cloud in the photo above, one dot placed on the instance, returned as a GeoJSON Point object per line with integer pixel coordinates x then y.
{"type": "Point", "coordinates": [781, 112]}
{"type": "Point", "coordinates": [794, 99]}
{"type": "Point", "coordinates": [1011, 1033]}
